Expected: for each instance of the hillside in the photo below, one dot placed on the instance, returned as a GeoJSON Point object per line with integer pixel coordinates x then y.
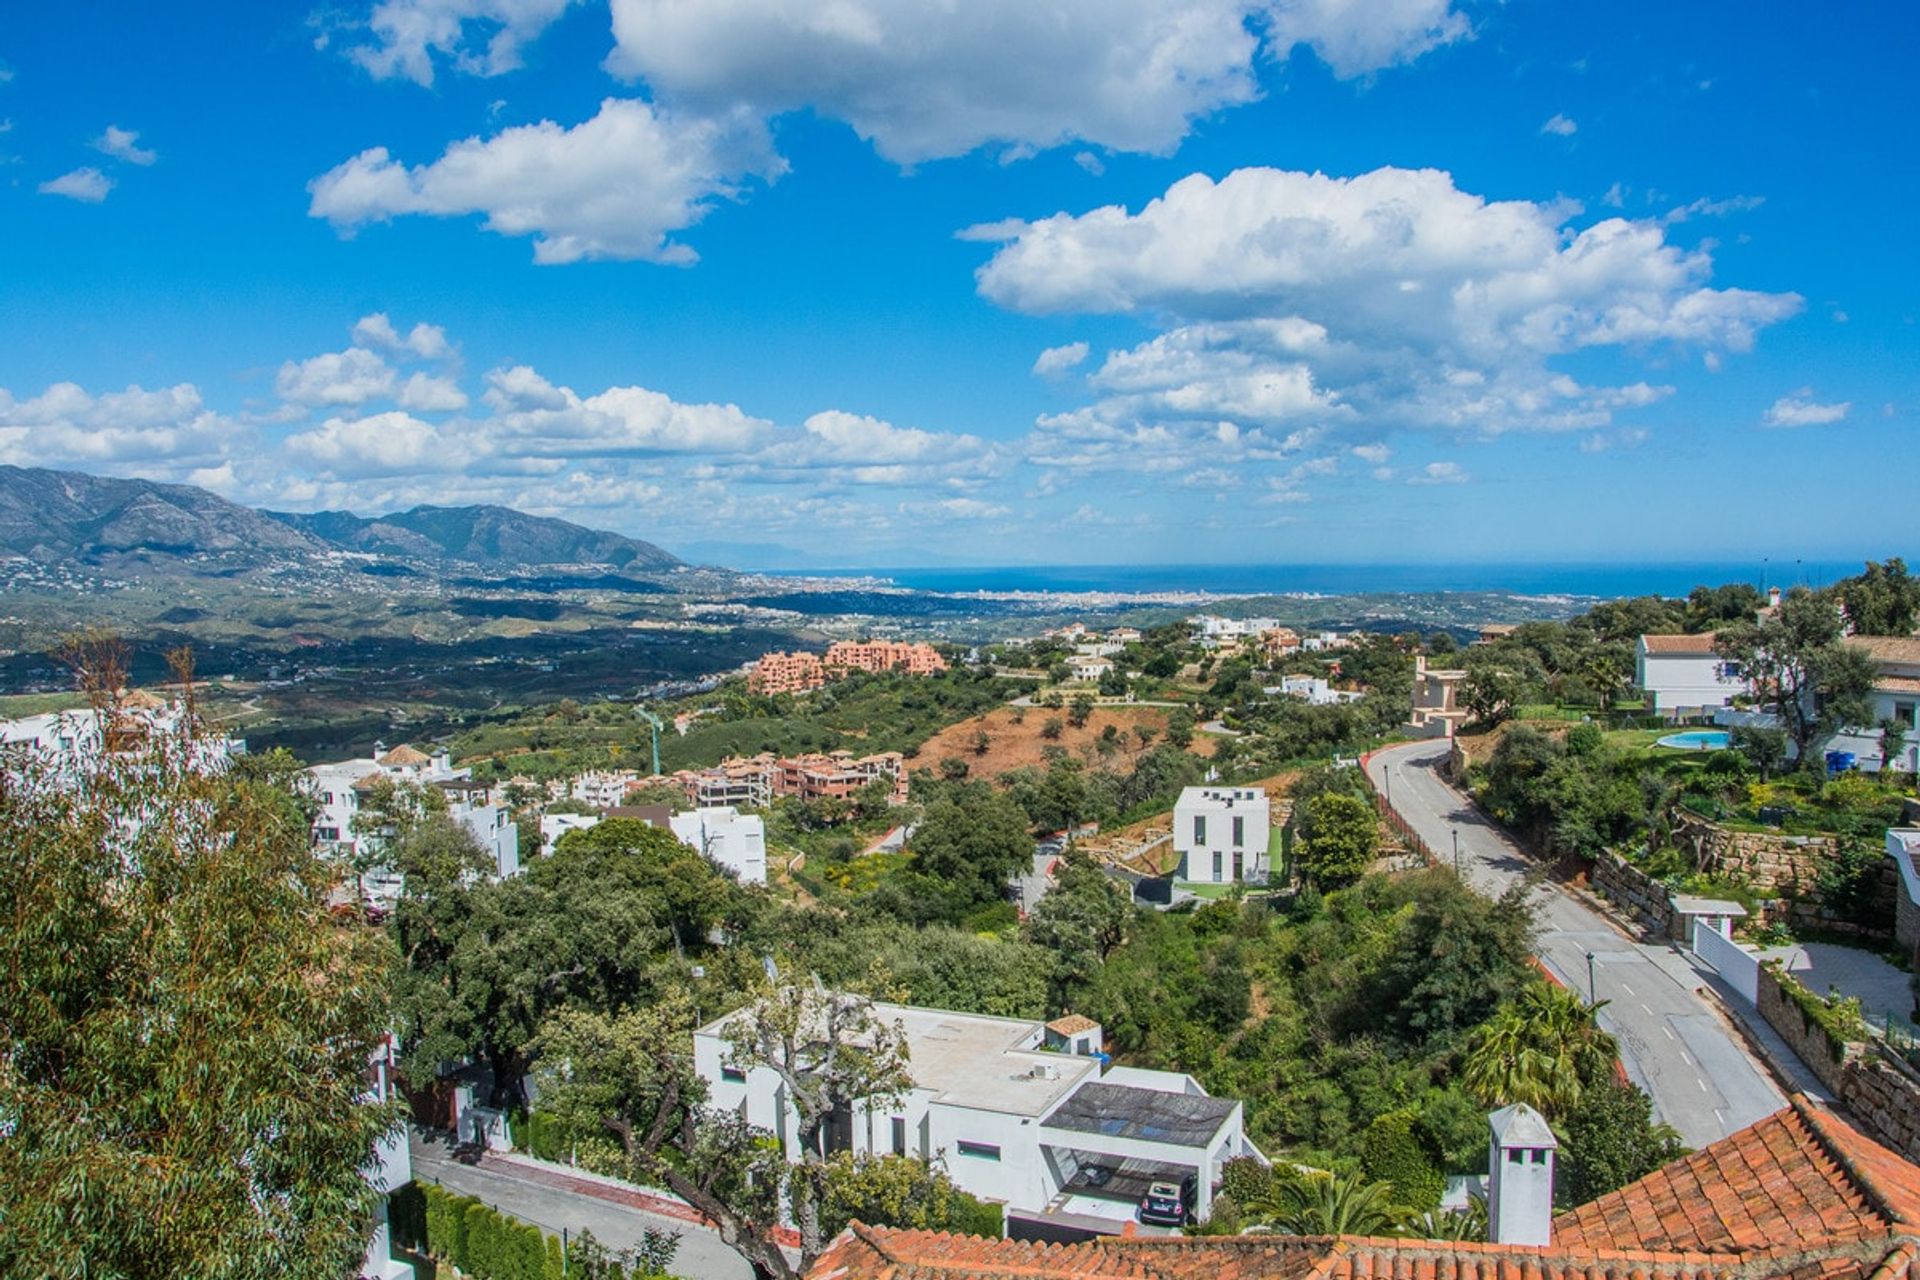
{"type": "Point", "coordinates": [484, 535]}
{"type": "Point", "coordinates": [68, 515]}
{"type": "Point", "coordinates": [53, 517]}
{"type": "Point", "coordinates": [1024, 744]}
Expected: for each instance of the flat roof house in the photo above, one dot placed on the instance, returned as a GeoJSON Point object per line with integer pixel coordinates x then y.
{"type": "Point", "coordinates": [1221, 834]}
{"type": "Point", "coordinates": [1051, 1135]}
{"type": "Point", "coordinates": [1800, 1195]}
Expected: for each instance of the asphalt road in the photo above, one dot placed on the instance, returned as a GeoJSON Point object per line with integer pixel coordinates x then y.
{"type": "Point", "coordinates": [1673, 1043]}
{"type": "Point", "coordinates": [701, 1254]}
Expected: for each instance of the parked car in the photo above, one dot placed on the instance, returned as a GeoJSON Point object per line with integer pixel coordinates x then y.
{"type": "Point", "coordinates": [1098, 1175]}
{"type": "Point", "coordinates": [1164, 1205]}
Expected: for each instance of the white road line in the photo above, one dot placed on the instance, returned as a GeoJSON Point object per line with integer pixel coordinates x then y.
{"type": "Point", "coordinates": [1645, 1010]}
{"type": "Point", "coordinates": [1703, 1085]}
{"type": "Point", "coordinates": [1624, 987]}
{"type": "Point", "coordinates": [1686, 1057]}
{"type": "Point", "coordinates": [1669, 1030]}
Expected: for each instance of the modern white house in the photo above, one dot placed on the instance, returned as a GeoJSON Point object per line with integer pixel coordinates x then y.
{"type": "Point", "coordinates": [1313, 690]}
{"type": "Point", "coordinates": [1896, 697]}
{"type": "Point", "coordinates": [1221, 834]}
{"type": "Point", "coordinates": [1050, 1135]}
{"type": "Point", "coordinates": [1685, 673]}
{"type": "Point", "coordinates": [735, 840]}
{"type": "Point", "coordinates": [342, 786]}
{"type": "Point", "coordinates": [1088, 667]}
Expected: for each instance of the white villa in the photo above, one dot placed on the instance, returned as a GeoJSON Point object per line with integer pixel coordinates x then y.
{"type": "Point", "coordinates": [1313, 690]}
{"type": "Point", "coordinates": [1221, 834]}
{"type": "Point", "coordinates": [1684, 673]}
{"type": "Point", "coordinates": [736, 841]}
{"type": "Point", "coordinates": [340, 787]}
{"type": "Point", "coordinates": [1051, 1135]}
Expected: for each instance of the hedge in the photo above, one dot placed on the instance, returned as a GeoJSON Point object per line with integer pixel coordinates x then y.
{"type": "Point", "coordinates": [1401, 1149]}
{"type": "Point", "coordinates": [474, 1237]}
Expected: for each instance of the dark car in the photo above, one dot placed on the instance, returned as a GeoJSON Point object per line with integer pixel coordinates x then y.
{"type": "Point", "coordinates": [1098, 1175]}
{"type": "Point", "coordinates": [1164, 1205]}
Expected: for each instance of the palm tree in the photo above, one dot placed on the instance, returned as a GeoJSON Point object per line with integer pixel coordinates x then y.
{"type": "Point", "coordinates": [1542, 1049]}
{"type": "Point", "coordinates": [1321, 1204]}
{"type": "Point", "coordinates": [1469, 1223]}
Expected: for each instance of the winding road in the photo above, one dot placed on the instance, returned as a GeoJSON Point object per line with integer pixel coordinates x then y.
{"type": "Point", "coordinates": [1673, 1042]}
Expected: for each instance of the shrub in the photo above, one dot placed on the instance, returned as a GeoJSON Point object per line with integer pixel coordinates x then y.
{"type": "Point", "coordinates": [1245, 1179]}
{"type": "Point", "coordinates": [1402, 1150]}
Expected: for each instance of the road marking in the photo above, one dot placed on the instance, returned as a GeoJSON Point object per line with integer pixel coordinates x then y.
{"type": "Point", "coordinates": [1629, 990]}
{"type": "Point", "coordinates": [1669, 1030]}
{"type": "Point", "coordinates": [1686, 1057]}
{"type": "Point", "coordinates": [1703, 1085]}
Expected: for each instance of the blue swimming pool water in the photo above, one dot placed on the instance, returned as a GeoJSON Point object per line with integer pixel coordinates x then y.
{"type": "Point", "coordinates": [1698, 740]}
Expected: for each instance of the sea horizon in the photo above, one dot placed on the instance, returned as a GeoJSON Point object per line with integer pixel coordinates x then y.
{"type": "Point", "coordinates": [1586, 579]}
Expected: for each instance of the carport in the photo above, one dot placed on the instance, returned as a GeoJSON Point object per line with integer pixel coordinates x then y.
{"type": "Point", "coordinates": [1144, 1135]}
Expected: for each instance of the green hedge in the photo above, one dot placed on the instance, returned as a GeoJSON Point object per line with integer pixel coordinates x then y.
{"type": "Point", "coordinates": [540, 1135]}
{"type": "Point", "coordinates": [474, 1237]}
{"type": "Point", "coordinates": [1402, 1150]}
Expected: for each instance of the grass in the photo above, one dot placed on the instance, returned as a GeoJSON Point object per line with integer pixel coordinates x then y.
{"type": "Point", "coordinates": [15, 705]}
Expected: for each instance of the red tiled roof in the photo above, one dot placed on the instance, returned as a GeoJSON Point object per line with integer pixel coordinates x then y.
{"type": "Point", "coordinates": [1701, 645]}
{"type": "Point", "coordinates": [1072, 1024]}
{"type": "Point", "coordinates": [1801, 1195]}
{"type": "Point", "coordinates": [1902, 649]}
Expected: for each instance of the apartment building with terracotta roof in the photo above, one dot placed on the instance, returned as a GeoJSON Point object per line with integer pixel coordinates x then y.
{"type": "Point", "coordinates": [914, 659]}
{"type": "Point", "coordinates": [794, 672]}
{"type": "Point", "coordinates": [756, 781]}
{"type": "Point", "coordinates": [1800, 1195]}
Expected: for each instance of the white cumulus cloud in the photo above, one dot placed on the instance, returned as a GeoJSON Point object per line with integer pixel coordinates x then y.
{"type": "Point", "coordinates": [1440, 473]}
{"type": "Point", "coordinates": [167, 431]}
{"type": "Point", "coordinates": [425, 393]}
{"type": "Point", "coordinates": [1560, 125]}
{"type": "Point", "coordinates": [124, 144]}
{"type": "Point", "coordinates": [478, 37]}
{"type": "Point", "coordinates": [1801, 410]}
{"type": "Point", "coordinates": [1055, 360]}
{"type": "Point", "coordinates": [618, 185]}
{"type": "Point", "coordinates": [379, 444]}
{"type": "Point", "coordinates": [85, 184]}
{"type": "Point", "coordinates": [349, 377]}
{"type": "Point", "coordinates": [427, 341]}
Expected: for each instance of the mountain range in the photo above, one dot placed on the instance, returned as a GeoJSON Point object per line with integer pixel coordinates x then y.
{"type": "Point", "coordinates": [69, 516]}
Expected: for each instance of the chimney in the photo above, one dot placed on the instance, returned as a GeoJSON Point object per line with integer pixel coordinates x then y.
{"type": "Point", "coordinates": [1520, 1181]}
{"type": "Point", "coordinates": [1773, 597]}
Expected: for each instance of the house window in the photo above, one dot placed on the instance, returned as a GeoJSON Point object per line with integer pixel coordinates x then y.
{"type": "Point", "coordinates": [1216, 864]}
{"type": "Point", "coordinates": [899, 1135]}
{"type": "Point", "coordinates": [1199, 828]}
{"type": "Point", "coordinates": [733, 1075]}
{"type": "Point", "coordinates": [1730, 670]}
{"type": "Point", "coordinates": [1239, 831]}
{"type": "Point", "coordinates": [979, 1150]}
{"type": "Point", "coordinates": [1903, 712]}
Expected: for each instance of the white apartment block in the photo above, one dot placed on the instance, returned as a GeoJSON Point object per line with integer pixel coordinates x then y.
{"type": "Point", "coordinates": [1685, 672]}
{"type": "Point", "coordinates": [1221, 834]}
{"type": "Point", "coordinates": [604, 788]}
{"type": "Point", "coordinates": [1047, 1134]}
{"type": "Point", "coordinates": [736, 841]}
{"type": "Point", "coordinates": [340, 788]}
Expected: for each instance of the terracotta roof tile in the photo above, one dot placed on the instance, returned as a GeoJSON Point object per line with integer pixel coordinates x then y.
{"type": "Point", "coordinates": [1072, 1024]}
{"type": "Point", "coordinates": [1801, 1195]}
{"type": "Point", "coordinates": [1701, 644]}
{"type": "Point", "coordinates": [1903, 649]}
{"type": "Point", "coordinates": [404, 754]}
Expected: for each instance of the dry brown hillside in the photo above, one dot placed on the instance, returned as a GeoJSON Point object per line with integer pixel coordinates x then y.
{"type": "Point", "coordinates": [1011, 746]}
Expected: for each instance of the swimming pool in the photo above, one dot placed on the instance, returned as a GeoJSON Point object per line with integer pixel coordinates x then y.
{"type": "Point", "coordinates": [1698, 740]}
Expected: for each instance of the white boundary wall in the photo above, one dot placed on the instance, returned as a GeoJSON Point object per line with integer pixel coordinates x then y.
{"type": "Point", "coordinates": [1733, 962]}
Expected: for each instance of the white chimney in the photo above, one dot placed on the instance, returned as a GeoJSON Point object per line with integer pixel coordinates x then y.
{"type": "Point", "coordinates": [1520, 1182]}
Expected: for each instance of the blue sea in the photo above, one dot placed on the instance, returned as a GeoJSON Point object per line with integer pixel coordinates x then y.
{"type": "Point", "coordinates": [1600, 580]}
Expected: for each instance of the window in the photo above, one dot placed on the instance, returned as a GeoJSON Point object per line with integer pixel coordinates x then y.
{"type": "Point", "coordinates": [899, 1135]}
{"type": "Point", "coordinates": [1216, 864]}
{"type": "Point", "coordinates": [733, 1075]}
{"type": "Point", "coordinates": [1239, 831]}
{"type": "Point", "coordinates": [1199, 828]}
{"type": "Point", "coordinates": [979, 1150]}
{"type": "Point", "coordinates": [1903, 712]}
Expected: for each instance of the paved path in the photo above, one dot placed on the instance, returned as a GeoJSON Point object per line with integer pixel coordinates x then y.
{"type": "Point", "coordinates": [552, 1202]}
{"type": "Point", "coordinates": [1673, 1042]}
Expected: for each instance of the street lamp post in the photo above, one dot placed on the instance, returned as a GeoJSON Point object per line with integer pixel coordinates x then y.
{"type": "Point", "coordinates": [1456, 851]}
{"type": "Point", "coordinates": [1593, 996]}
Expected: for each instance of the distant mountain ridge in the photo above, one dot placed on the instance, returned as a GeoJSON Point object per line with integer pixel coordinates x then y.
{"type": "Point", "coordinates": [52, 516]}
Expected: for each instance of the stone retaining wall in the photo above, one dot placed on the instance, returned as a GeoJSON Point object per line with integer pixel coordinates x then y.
{"type": "Point", "coordinates": [1774, 864]}
{"type": "Point", "coordinates": [1636, 893]}
{"type": "Point", "coordinates": [1884, 1097]}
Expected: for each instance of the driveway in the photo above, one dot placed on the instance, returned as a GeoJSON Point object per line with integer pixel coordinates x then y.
{"type": "Point", "coordinates": [1882, 990]}
{"type": "Point", "coordinates": [532, 1195]}
{"type": "Point", "coordinates": [1673, 1042]}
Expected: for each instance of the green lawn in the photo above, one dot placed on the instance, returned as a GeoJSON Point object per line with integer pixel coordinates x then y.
{"type": "Point", "coordinates": [15, 705]}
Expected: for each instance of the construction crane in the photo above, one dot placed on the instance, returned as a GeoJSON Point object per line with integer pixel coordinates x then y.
{"type": "Point", "coordinates": [658, 725]}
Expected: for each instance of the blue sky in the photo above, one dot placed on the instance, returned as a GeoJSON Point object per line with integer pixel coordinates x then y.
{"type": "Point", "coordinates": [1402, 281]}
